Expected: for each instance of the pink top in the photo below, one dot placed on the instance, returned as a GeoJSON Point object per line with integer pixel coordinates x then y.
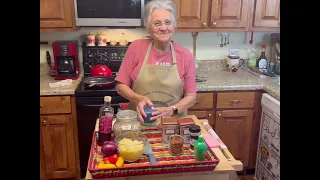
{"type": "Point", "coordinates": [134, 57]}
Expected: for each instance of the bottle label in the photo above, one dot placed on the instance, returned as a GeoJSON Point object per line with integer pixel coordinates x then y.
{"type": "Point", "coordinates": [263, 64]}
{"type": "Point", "coordinates": [126, 128]}
{"type": "Point", "coordinates": [105, 125]}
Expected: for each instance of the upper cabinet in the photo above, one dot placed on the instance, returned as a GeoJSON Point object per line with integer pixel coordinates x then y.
{"type": "Point", "coordinates": [265, 15]}
{"type": "Point", "coordinates": [227, 15]}
{"type": "Point", "coordinates": [57, 16]}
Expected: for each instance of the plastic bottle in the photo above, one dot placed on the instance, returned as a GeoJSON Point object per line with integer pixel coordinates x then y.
{"type": "Point", "coordinates": [200, 148]}
{"type": "Point", "coordinates": [106, 114]}
{"type": "Point", "coordinates": [252, 58]}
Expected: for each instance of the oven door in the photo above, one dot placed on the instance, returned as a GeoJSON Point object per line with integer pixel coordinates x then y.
{"type": "Point", "coordinates": [109, 12]}
{"type": "Point", "coordinates": [87, 114]}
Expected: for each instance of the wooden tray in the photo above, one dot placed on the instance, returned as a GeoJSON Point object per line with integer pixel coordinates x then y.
{"type": "Point", "coordinates": [166, 163]}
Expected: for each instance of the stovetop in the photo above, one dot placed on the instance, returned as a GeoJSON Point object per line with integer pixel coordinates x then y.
{"type": "Point", "coordinates": [111, 56]}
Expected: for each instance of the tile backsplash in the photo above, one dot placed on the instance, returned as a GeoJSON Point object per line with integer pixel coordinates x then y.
{"type": "Point", "coordinates": [208, 43]}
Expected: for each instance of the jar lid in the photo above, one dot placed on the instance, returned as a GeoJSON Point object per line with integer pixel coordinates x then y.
{"type": "Point", "coordinates": [127, 115]}
{"type": "Point", "coordinates": [185, 121]}
{"type": "Point", "coordinates": [169, 121]}
{"type": "Point", "coordinates": [194, 128]}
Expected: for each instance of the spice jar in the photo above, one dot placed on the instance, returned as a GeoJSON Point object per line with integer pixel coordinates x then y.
{"type": "Point", "coordinates": [184, 124]}
{"type": "Point", "coordinates": [127, 122]}
{"type": "Point", "coordinates": [175, 145]}
{"type": "Point", "coordinates": [195, 132]}
{"type": "Point", "coordinates": [169, 127]}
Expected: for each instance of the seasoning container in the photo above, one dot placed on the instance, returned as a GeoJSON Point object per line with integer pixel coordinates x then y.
{"type": "Point", "coordinates": [184, 124]}
{"type": "Point", "coordinates": [169, 127]}
{"type": "Point", "coordinates": [200, 149]}
{"type": "Point", "coordinates": [175, 145]}
{"type": "Point", "coordinates": [127, 122]}
{"type": "Point", "coordinates": [195, 132]}
{"type": "Point", "coordinates": [146, 120]}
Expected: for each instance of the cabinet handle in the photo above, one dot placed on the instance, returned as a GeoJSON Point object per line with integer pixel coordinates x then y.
{"type": "Point", "coordinates": [196, 102]}
{"type": "Point", "coordinates": [219, 114]}
{"type": "Point", "coordinates": [214, 23]}
{"type": "Point", "coordinates": [209, 115]}
{"type": "Point", "coordinates": [235, 101]}
{"type": "Point", "coordinates": [44, 122]}
{"type": "Point", "coordinates": [204, 24]}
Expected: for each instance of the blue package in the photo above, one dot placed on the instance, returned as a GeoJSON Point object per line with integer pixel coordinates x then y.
{"type": "Point", "coordinates": [149, 112]}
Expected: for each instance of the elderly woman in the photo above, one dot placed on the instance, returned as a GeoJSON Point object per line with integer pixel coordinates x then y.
{"type": "Point", "coordinates": [158, 69]}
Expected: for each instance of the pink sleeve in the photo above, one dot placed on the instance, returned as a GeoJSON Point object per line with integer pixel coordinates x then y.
{"type": "Point", "coordinates": [127, 66]}
{"type": "Point", "coordinates": [190, 74]}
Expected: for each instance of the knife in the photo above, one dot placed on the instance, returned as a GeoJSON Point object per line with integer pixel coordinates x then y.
{"type": "Point", "coordinates": [149, 153]}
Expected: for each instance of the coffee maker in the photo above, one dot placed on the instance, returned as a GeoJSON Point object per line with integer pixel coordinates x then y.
{"type": "Point", "coordinates": [66, 59]}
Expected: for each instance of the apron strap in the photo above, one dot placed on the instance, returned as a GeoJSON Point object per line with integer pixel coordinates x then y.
{"type": "Point", "coordinates": [146, 57]}
{"type": "Point", "coordinates": [173, 52]}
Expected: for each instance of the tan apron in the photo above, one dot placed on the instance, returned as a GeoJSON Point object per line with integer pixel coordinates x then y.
{"type": "Point", "coordinates": [161, 84]}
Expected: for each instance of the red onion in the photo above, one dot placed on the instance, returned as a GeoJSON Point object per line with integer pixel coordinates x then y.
{"type": "Point", "coordinates": [108, 149]}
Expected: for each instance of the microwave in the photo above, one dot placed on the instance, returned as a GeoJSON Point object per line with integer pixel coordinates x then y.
{"type": "Point", "coordinates": [101, 13]}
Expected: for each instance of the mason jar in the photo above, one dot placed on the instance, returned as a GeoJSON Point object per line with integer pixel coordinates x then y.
{"type": "Point", "coordinates": [127, 122]}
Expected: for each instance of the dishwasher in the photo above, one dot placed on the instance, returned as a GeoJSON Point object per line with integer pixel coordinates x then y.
{"type": "Point", "coordinates": [268, 154]}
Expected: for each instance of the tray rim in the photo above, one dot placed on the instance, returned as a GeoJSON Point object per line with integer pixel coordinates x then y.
{"type": "Point", "coordinates": [91, 170]}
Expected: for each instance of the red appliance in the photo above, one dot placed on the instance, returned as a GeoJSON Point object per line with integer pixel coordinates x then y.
{"type": "Point", "coordinates": [100, 70]}
{"type": "Point", "coordinates": [66, 59]}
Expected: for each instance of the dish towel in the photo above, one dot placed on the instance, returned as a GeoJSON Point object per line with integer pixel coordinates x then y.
{"type": "Point", "coordinates": [65, 82]}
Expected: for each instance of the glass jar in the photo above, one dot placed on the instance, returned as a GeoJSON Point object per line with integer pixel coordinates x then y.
{"type": "Point", "coordinates": [127, 122]}
{"type": "Point", "coordinates": [176, 145]}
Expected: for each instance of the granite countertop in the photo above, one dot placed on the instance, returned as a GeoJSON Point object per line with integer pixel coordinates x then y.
{"type": "Point", "coordinates": [216, 78]}
{"type": "Point", "coordinates": [46, 90]}
{"type": "Point", "coordinates": [242, 80]}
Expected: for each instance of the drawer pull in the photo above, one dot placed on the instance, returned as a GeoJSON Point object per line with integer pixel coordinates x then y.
{"type": "Point", "coordinates": [209, 115]}
{"type": "Point", "coordinates": [196, 102]}
{"type": "Point", "coordinates": [44, 122]}
{"type": "Point", "coordinates": [235, 101]}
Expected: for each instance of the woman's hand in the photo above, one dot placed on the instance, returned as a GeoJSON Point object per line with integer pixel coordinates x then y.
{"type": "Point", "coordinates": [162, 112]}
{"type": "Point", "coordinates": [143, 102]}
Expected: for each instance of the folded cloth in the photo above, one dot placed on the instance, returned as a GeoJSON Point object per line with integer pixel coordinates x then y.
{"type": "Point", "coordinates": [65, 82]}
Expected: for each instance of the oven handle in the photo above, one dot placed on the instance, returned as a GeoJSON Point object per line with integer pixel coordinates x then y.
{"type": "Point", "coordinates": [99, 105]}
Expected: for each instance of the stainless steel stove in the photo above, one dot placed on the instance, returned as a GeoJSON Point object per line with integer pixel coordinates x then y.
{"type": "Point", "coordinates": [90, 100]}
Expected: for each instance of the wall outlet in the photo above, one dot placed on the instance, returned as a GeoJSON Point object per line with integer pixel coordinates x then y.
{"type": "Point", "coordinates": [235, 52]}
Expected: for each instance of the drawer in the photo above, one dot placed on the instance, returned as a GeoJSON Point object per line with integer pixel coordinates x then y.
{"type": "Point", "coordinates": [203, 101]}
{"type": "Point", "coordinates": [55, 105]}
{"type": "Point", "coordinates": [235, 100]}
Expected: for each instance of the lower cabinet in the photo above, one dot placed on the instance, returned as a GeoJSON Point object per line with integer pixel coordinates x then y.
{"type": "Point", "coordinates": [235, 117]}
{"type": "Point", "coordinates": [59, 154]}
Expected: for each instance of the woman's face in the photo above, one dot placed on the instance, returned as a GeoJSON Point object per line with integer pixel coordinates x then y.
{"type": "Point", "coordinates": [161, 25]}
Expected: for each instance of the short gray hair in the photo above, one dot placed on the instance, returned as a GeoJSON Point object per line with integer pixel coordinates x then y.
{"type": "Point", "coordinates": [159, 4]}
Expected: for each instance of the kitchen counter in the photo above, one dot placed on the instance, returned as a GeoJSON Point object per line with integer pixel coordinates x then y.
{"type": "Point", "coordinates": [216, 80]}
{"type": "Point", "coordinates": [219, 80]}
{"type": "Point", "coordinates": [225, 170]}
{"type": "Point", "coordinates": [46, 90]}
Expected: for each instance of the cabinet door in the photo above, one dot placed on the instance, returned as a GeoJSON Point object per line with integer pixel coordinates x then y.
{"type": "Point", "coordinates": [267, 13]}
{"type": "Point", "coordinates": [204, 115]}
{"type": "Point", "coordinates": [192, 13]}
{"type": "Point", "coordinates": [229, 13]}
{"type": "Point", "coordinates": [58, 146]}
{"type": "Point", "coordinates": [234, 127]}
{"type": "Point", "coordinates": [56, 13]}
{"type": "Point", "coordinates": [42, 163]}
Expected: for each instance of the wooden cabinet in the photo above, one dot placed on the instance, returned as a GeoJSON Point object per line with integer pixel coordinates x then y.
{"type": "Point", "coordinates": [265, 15]}
{"type": "Point", "coordinates": [203, 107]}
{"type": "Point", "coordinates": [235, 116]}
{"type": "Point", "coordinates": [59, 154]}
{"type": "Point", "coordinates": [234, 127]}
{"type": "Point", "coordinates": [227, 15]}
{"type": "Point", "coordinates": [57, 16]}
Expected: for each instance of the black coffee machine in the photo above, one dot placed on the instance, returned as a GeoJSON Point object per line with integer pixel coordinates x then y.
{"type": "Point", "coordinates": [66, 59]}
